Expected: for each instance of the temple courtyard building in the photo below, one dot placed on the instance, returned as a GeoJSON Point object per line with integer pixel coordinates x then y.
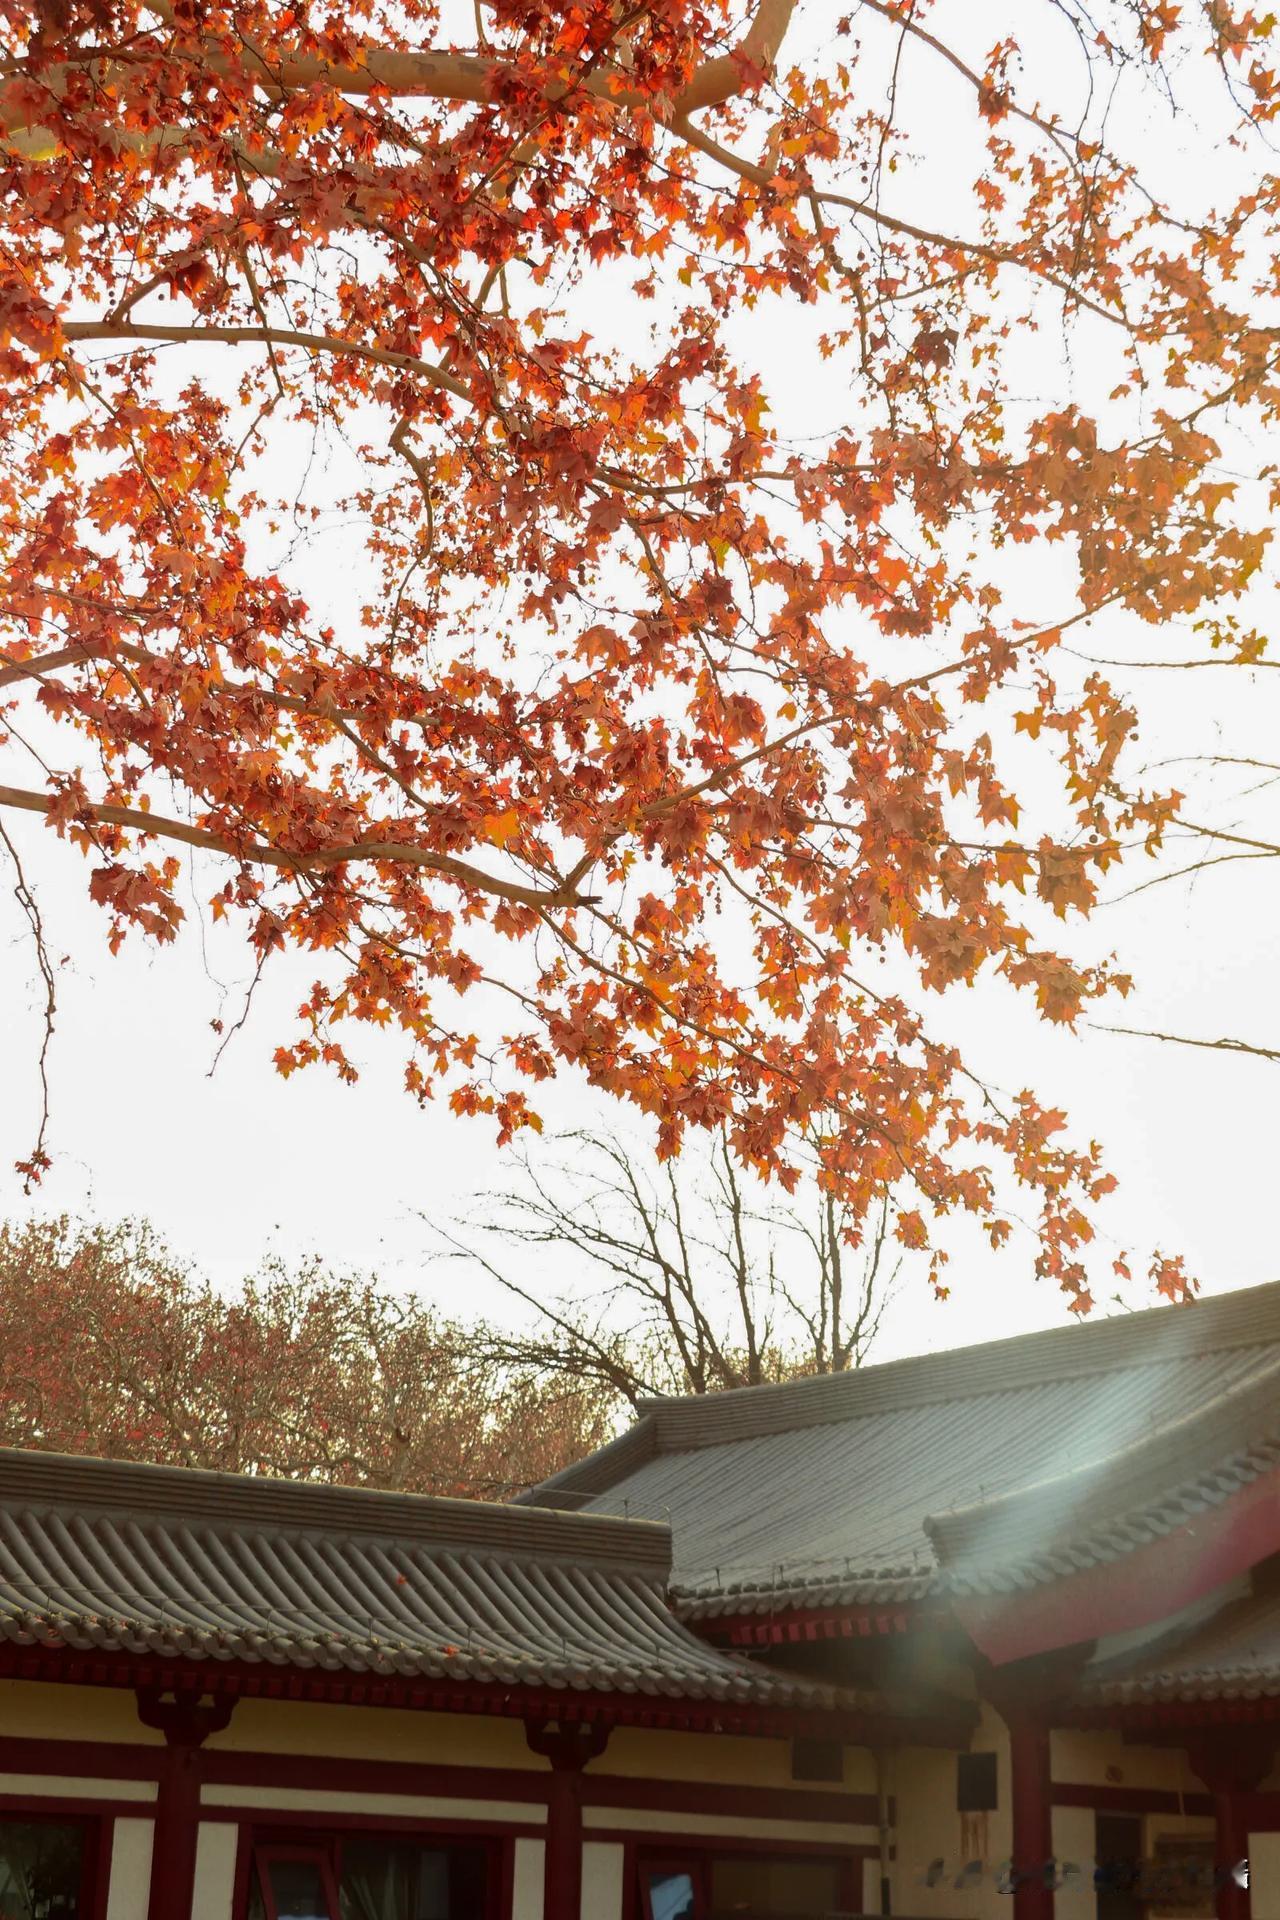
{"type": "Point", "coordinates": [988, 1633]}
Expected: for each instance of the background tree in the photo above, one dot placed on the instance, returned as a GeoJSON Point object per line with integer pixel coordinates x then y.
{"type": "Point", "coordinates": [110, 1346]}
{"type": "Point", "coordinates": [683, 1280]}
{"type": "Point", "coordinates": [637, 699]}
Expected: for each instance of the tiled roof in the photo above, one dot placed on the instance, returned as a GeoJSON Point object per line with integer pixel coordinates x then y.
{"type": "Point", "coordinates": [988, 1468]}
{"type": "Point", "coordinates": [159, 1561]}
{"type": "Point", "coordinates": [1235, 1655]}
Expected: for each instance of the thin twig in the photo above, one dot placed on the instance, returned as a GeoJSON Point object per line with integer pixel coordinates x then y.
{"type": "Point", "coordinates": [37, 1161]}
{"type": "Point", "coordinates": [1189, 1040]}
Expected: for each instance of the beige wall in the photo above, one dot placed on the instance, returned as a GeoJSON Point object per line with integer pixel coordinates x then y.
{"type": "Point", "coordinates": [387, 1733]}
{"type": "Point", "coordinates": [375, 1733]}
{"type": "Point", "coordinates": [1264, 1875]}
{"type": "Point", "coordinates": [32, 1710]}
{"type": "Point", "coordinates": [930, 1829]}
{"type": "Point", "coordinates": [722, 1758]}
{"type": "Point", "coordinates": [1098, 1759]}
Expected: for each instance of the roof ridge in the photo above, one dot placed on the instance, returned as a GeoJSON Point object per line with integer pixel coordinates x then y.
{"type": "Point", "coordinates": [632, 1448]}
{"type": "Point", "coordinates": [1242, 1318]}
{"type": "Point", "coordinates": [200, 1496]}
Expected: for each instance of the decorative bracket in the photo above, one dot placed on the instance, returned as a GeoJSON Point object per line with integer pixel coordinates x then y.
{"type": "Point", "coordinates": [569, 1745]}
{"type": "Point", "coordinates": [185, 1719]}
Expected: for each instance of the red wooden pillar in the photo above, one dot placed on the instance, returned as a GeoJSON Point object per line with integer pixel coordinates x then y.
{"type": "Point", "coordinates": [568, 1746]}
{"type": "Point", "coordinates": [186, 1724]}
{"type": "Point", "coordinates": [1032, 1811]}
{"type": "Point", "coordinates": [562, 1886]}
{"type": "Point", "coordinates": [1232, 1761]}
{"type": "Point", "coordinates": [1026, 1694]}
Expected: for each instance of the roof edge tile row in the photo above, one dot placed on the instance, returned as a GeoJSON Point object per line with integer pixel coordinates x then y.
{"type": "Point", "coordinates": [197, 1496]}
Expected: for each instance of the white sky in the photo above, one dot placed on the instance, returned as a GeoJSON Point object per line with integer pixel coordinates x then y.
{"type": "Point", "coordinates": [231, 1165]}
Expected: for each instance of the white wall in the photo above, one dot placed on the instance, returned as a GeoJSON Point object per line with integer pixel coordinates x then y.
{"type": "Point", "coordinates": [1074, 1847]}
{"type": "Point", "coordinates": [603, 1863]}
{"type": "Point", "coordinates": [526, 1896]}
{"type": "Point", "coordinates": [216, 1845]}
{"type": "Point", "coordinates": [129, 1889]}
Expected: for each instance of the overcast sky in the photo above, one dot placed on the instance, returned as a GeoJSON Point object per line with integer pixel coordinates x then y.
{"type": "Point", "coordinates": [236, 1162]}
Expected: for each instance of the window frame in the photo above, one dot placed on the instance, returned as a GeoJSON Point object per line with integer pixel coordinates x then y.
{"type": "Point", "coordinates": [266, 1852]}
{"type": "Point", "coordinates": [95, 1849]}
{"type": "Point", "coordinates": [282, 1839]}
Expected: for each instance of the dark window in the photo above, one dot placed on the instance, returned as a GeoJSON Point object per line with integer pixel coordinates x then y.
{"type": "Point", "coordinates": [976, 1783]}
{"type": "Point", "coordinates": [294, 1883]}
{"type": "Point", "coordinates": [44, 1870]}
{"type": "Point", "coordinates": [817, 1760]}
{"type": "Point", "coordinates": [370, 1877]}
{"type": "Point", "coordinates": [1118, 1852]}
{"type": "Point", "coordinates": [782, 1889]}
{"type": "Point", "coordinates": [742, 1886]}
{"type": "Point", "coordinates": [405, 1880]}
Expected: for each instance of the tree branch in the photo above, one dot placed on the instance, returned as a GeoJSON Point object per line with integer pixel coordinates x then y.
{"type": "Point", "coordinates": [430, 76]}
{"type": "Point", "coordinates": [37, 1161]}
{"type": "Point", "coordinates": [721, 80]}
{"type": "Point", "coordinates": [104, 329]}
{"type": "Point", "coordinates": [300, 860]}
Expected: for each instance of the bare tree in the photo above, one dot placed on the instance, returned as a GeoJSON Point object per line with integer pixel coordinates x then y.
{"type": "Point", "coordinates": [685, 1278]}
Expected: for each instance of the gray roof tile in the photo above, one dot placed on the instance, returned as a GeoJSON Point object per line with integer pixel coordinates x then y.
{"type": "Point", "coordinates": [155, 1561]}
{"type": "Point", "coordinates": [986, 1468]}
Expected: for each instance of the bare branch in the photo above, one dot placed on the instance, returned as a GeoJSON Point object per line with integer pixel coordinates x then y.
{"type": "Point", "coordinates": [1188, 1040]}
{"type": "Point", "coordinates": [103, 328]}
{"type": "Point", "coordinates": [37, 1161]}
{"type": "Point", "coordinates": [690, 1268]}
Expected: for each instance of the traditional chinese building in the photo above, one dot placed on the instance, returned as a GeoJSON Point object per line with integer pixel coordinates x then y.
{"type": "Point", "coordinates": [931, 1638]}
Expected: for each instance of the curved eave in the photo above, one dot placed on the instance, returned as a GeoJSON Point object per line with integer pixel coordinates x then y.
{"type": "Point", "coordinates": [1175, 1689]}
{"type": "Point", "coordinates": [746, 1598]}
{"type": "Point", "coordinates": [799, 1626]}
{"type": "Point", "coordinates": [1185, 1710]}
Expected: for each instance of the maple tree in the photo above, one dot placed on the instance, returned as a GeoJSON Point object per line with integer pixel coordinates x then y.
{"type": "Point", "coordinates": [630, 706]}
{"type": "Point", "coordinates": [110, 1345]}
